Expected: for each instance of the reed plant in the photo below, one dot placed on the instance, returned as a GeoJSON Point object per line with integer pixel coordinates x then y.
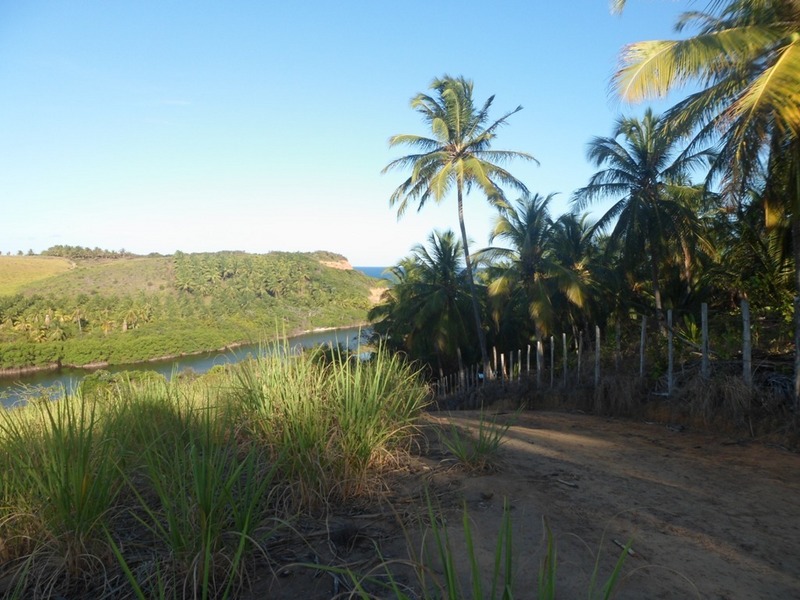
{"type": "Point", "coordinates": [479, 450]}
{"type": "Point", "coordinates": [148, 488]}
{"type": "Point", "coordinates": [376, 404]}
{"type": "Point", "coordinates": [60, 484]}
{"type": "Point", "coordinates": [333, 421]}
{"type": "Point", "coordinates": [201, 497]}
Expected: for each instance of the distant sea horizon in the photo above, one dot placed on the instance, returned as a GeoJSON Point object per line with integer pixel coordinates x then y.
{"type": "Point", "coordinates": [377, 272]}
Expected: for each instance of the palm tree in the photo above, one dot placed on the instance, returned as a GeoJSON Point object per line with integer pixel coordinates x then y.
{"type": "Point", "coordinates": [575, 246]}
{"type": "Point", "coordinates": [746, 57]}
{"type": "Point", "coordinates": [647, 177]}
{"type": "Point", "coordinates": [529, 273]}
{"type": "Point", "coordinates": [427, 311]}
{"type": "Point", "coordinates": [459, 154]}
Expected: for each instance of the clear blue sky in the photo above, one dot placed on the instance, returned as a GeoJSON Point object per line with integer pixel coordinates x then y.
{"type": "Point", "coordinates": [162, 125]}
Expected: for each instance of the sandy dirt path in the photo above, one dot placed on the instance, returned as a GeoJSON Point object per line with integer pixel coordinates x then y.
{"type": "Point", "coordinates": [708, 517]}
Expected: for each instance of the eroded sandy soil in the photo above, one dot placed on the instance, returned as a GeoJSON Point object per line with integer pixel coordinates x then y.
{"type": "Point", "coordinates": [708, 517]}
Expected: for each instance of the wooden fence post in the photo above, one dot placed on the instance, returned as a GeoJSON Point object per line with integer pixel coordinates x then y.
{"type": "Point", "coordinates": [670, 357]}
{"type": "Point", "coordinates": [580, 353]}
{"type": "Point", "coordinates": [564, 346]}
{"type": "Point", "coordinates": [552, 360]}
{"type": "Point", "coordinates": [705, 367]}
{"type": "Point", "coordinates": [494, 368]}
{"type": "Point", "coordinates": [641, 345]}
{"type": "Point", "coordinates": [747, 348]}
{"type": "Point", "coordinates": [539, 363]}
{"type": "Point", "coordinates": [461, 375]}
{"type": "Point", "coordinates": [529, 360]}
{"type": "Point", "coordinates": [596, 355]}
{"type": "Point", "coordinates": [796, 373]}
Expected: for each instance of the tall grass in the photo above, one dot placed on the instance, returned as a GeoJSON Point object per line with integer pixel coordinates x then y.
{"type": "Point", "coordinates": [340, 418]}
{"type": "Point", "coordinates": [201, 496]}
{"type": "Point", "coordinates": [59, 485]}
{"type": "Point", "coordinates": [154, 489]}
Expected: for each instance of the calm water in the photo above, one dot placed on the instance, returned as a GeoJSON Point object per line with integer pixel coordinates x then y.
{"type": "Point", "coordinates": [377, 272]}
{"type": "Point", "coordinates": [12, 390]}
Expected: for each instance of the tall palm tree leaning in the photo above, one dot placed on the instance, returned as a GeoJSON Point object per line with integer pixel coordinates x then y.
{"type": "Point", "coordinates": [457, 153]}
{"type": "Point", "coordinates": [746, 57]}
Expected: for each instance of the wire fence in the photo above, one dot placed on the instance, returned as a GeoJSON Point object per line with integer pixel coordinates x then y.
{"type": "Point", "coordinates": [663, 354]}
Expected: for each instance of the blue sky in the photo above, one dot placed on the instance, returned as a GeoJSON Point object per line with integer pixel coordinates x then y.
{"type": "Point", "coordinates": [158, 126]}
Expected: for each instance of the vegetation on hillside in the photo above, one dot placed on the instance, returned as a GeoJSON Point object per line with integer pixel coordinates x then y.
{"type": "Point", "coordinates": [16, 272]}
{"type": "Point", "coordinates": [133, 309]}
{"type": "Point", "coordinates": [79, 252]}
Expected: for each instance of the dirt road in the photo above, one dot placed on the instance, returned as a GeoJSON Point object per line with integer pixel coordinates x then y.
{"type": "Point", "coordinates": [709, 518]}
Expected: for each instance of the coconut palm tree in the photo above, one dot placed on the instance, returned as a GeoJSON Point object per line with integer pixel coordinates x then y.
{"type": "Point", "coordinates": [646, 174]}
{"type": "Point", "coordinates": [745, 57]}
{"type": "Point", "coordinates": [457, 154]}
{"type": "Point", "coordinates": [528, 272]}
{"type": "Point", "coordinates": [428, 308]}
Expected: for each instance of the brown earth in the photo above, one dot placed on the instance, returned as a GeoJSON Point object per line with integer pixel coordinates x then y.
{"type": "Point", "coordinates": [707, 516]}
{"type": "Point", "coordinates": [342, 265]}
{"type": "Point", "coordinates": [375, 295]}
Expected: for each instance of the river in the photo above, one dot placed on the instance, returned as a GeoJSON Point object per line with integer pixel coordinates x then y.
{"type": "Point", "coordinates": [14, 389]}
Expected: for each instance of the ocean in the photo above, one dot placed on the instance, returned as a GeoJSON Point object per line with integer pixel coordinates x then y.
{"type": "Point", "coordinates": [378, 272]}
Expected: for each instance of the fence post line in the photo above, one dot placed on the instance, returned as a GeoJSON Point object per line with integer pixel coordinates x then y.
{"type": "Point", "coordinates": [502, 366]}
{"type": "Point", "coordinates": [747, 347]}
{"type": "Point", "coordinates": [564, 346]}
{"type": "Point", "coordinates": [552, 360]}
{"type": "Point", "coordinates": [704, 364]}
{"type": "Point", "coordinates": [539, 363]}
{"type": "Point", "coordinates": [670, 354]}
{"type": "Point", "coordinates": [580, 352]}
{"type": "Point", "coordinates": [528, 368]}
{"type": "Point", "coordinates": [641, 345]}
{"type": "Point", "coordinates": [461, 375]}
{"type": "Point", "coordinates": [510, 366]}
{"type": "Point", "coordinates": [519, 360]}
{"type": "Point", "coordinates": [596, 355]}
{"type": "Point", "coordinates": [494, 367]}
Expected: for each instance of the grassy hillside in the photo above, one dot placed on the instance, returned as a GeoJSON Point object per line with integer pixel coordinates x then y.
{"type": "Point", "coordinates": [108, 278]}
{"type": "Point", "coordinates": [16, 272]}
{"type": "Point", "coordinates": [132, 309]}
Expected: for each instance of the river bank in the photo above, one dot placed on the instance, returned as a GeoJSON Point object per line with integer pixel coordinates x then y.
{"type": "Point", "coordinates": [52, 383]}
{"type": "Point", "coordinates": [55, 367]}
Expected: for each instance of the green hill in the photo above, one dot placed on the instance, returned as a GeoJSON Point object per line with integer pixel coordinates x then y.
{"type": "Point", "coordinates": [16, 272]}
{"type": "Point", "coordinates": [131, 309]}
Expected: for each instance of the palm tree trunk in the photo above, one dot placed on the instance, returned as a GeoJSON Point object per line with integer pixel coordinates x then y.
{"type": "Point", "coordinates": [794, 195]}
{"type": "Point", "coordinates": [657, 292]}
{"type": "Point", "coordinates": [687, 266]}
{"type": "Point", "coordinates": [476, 311]}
